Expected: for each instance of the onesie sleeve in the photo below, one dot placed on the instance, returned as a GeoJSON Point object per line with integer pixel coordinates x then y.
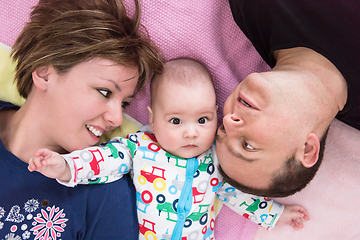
{"type": "Point", "coordinates": [100, 164]}
{"type": "Point", "coordinates": [261, 210]}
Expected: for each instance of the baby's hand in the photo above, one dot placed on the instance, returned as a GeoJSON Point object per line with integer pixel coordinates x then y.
{"type": "Point", "coordinates": [50, 164]}
{"type": "Point", "coordinates": [293, 215]}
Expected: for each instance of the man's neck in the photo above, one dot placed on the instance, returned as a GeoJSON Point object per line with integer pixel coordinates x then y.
{"type": "Point", "coordinates": [328, 75]}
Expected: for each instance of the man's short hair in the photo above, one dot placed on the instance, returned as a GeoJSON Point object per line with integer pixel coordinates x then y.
{"type": "Point", "coordinates": [291, 178]}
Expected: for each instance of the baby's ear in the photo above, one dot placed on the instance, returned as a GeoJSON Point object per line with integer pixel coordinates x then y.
{"type": "Point", "coordinates": [41, 77]}
{"type": "Point", "coordinates": [151, 118]}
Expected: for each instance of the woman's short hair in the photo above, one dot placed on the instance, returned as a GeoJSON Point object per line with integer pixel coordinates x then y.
{"type": "Point", "coordinates": [64, 33]}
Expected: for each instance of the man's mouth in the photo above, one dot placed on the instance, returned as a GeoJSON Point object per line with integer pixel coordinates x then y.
{"type": "Point", "coordinates": [94, 131]}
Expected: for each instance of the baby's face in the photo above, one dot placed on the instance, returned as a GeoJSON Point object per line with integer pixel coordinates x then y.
{"type": "Point", "coordinates": [184, 118]}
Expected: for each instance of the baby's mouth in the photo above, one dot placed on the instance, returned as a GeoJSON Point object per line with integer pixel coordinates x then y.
{"type": "Point", "coordinates": [95, 132]}
{"type": "Point", "coordinates": [190, 146]}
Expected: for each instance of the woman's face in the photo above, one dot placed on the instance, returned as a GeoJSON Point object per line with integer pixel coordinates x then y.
{"type": "Point", "coordinates": [87, 101]}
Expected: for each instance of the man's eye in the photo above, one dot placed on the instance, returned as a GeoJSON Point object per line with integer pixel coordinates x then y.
{"type": "Point", "coordinates": [175, 121]}
{"type": "Point", "coordinates": [203, 120]}
{"type": "Point", "coordinates": [245, 103]}
{"type": "Point", "coordinates": [248, 146]}
{"type": "Point", "coordinates": [125, 104]}
{"type": "Point", "coordinates": [105, 92]}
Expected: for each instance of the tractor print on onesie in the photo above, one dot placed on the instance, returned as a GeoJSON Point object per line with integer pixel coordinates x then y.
{"type": "Point", "coordinates": [251, 205]}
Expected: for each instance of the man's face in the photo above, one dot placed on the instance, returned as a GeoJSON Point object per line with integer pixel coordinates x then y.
{"type": "Point", "coordinates": [184, 118]}
{"type": "Point", "coordinates": [258, 131]}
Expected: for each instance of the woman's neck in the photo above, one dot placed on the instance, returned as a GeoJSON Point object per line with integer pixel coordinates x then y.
{"type": "Point", "coordinates": [22, 132]}
{"type": "Point", "coordinates": [5, 121]}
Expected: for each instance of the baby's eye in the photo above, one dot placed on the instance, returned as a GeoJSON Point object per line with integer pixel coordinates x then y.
{"type": "Point", "coordinates": [125, 104]}
{"type": "Point", "coordinates": [175, 121]}
{"type": "Point", "coordinates": [105, 92]}
{"type": "Point", "coordinates": [245, 103]}
{"type": "Point", "coordinates": [203, 120]}
{"type": "Point", "coordinates": [248, 146]}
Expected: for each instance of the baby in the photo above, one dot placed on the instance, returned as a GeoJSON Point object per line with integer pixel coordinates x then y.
{"type": "Point", "coordinates": [173, 164]}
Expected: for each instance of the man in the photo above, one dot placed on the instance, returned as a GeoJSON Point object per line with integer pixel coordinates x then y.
{"type": "Point", "coordinates": [272, 139]}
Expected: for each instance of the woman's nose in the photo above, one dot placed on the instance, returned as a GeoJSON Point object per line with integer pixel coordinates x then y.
{"type": "Point", "coordinates": [114, 115]}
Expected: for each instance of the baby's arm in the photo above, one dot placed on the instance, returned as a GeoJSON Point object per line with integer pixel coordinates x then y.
{"type": "Point", "coordinates": [98, 164]}
{"type": "Point", "coordinates": [51, 164]}
{"type": "Point", "coordinates": [263, 211]}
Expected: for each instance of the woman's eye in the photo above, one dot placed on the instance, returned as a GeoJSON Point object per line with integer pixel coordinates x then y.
{"type": "Point", "coordinates": [175, 121]}
{"type": "Point", "coordinates": [125, 104]}
{"type": "Point", "coordinates": [245, 103]}
{"type": "Point", "coordinates": [202, 120]}
{"type": "Point", "coordinates": [248, 146]}
{"type": "Point", "coordinates": [105, 92]}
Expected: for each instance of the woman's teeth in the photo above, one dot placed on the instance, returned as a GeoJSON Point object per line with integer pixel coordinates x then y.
{"type": "Point", "coordinates": [97, 133]}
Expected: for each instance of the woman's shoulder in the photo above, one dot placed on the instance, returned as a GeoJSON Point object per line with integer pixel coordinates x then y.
{"type": "Point", "coordinates": [7, 105]}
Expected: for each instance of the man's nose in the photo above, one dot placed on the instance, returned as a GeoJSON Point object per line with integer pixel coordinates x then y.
{"type": "Point", "coordinates": [233, 120]}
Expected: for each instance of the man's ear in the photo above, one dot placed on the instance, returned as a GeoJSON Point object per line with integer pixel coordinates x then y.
{"type": "Point", "coordinates": [151, 118]}
{"type": "Point", "coordinates": [41, 77]}
{"type": "Point", "coordinates": [311, 151]}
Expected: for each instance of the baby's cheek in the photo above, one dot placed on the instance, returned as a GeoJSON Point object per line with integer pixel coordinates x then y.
{"type": "Point", "coordinates": [168, 142]}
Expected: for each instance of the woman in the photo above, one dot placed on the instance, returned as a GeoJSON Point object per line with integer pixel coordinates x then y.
{"type": "Point", "coordinates": [78, 64]}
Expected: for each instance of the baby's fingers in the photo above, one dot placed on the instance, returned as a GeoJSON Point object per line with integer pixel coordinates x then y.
{"type": "Point", "coordinates": [306, 215]}
{"type": "Point", "coordinates": [299, 222]}
{"type": "Point", "coordinates": [294, 225]}
{"type": "Point", "coordinates": [301, 212]}
{"type": "Point", "coordinates": [35, 163]}
{"type": "Point", "coordinates": [43, 152]}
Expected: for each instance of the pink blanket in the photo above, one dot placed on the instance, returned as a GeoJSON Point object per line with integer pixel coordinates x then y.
{"type": "Point", "coordinates": [205, 30]}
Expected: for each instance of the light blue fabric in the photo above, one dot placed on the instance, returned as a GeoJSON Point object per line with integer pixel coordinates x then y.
{"type": "Point", "coordinates": [186, 198]}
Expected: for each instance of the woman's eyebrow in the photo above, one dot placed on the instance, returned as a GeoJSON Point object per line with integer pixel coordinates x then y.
{"type": "Point", "coordinates": [117, 87]}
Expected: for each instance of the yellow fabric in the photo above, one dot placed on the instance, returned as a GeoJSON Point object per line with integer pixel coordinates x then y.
{"type": "Point", "coordinates": [217, 206]}
{"type": "Point", "coordinates": [9, 93]}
